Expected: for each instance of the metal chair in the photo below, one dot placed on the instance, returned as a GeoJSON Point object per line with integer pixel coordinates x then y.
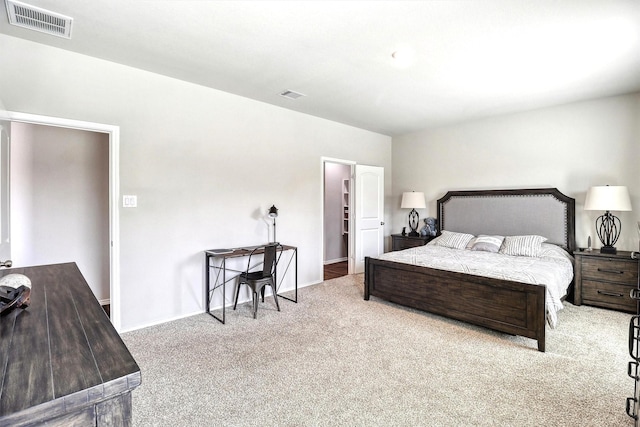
{"type": "Point", "coordinates": [257, 280]}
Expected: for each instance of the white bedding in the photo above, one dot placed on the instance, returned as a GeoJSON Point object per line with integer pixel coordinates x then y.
{"type": "Point", "coordinates": [553, 268]}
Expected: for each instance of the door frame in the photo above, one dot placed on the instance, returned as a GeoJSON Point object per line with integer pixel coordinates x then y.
{"type": "Point", "coordinates": [351, 243]}
{"type": "Point", "coordinates": [114, 191]}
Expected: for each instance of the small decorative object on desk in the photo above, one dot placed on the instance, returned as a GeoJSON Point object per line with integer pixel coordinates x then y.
{"type": "Point", "coordinates": [404, 231]}
{"type": "Point", "coordinates": [429, 228]}
{"type": "Point", "coordinates": [15, 291]}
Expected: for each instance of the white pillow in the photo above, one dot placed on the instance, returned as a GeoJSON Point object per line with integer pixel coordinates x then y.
{"type": "Point", "coordinates": [486, 243]}
{"type": "Point", "coordinates": [451, 239]}
{"type": "Point", "coordinates": [523, 245]}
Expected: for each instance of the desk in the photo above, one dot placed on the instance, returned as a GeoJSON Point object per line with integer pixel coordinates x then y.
{"type": "Point", "coordinates": [61, 361]}
{"type": "Point", "coordinates": [216, 261]}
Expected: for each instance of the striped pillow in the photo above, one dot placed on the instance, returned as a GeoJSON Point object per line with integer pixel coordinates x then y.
{"type": "Point", "coordinates": [451, 239]}
{"type": "Point", "coordinates": [523, 245]}
{"type": "Point", "coordinates": [486, 243]}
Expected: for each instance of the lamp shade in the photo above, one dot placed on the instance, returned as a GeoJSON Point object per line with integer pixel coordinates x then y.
{"type": "Point", "coordinates": [413, 200]}
{"type": "Point", "coordinates": [608, 198]}
{"type": "Point", "coordinates": [273, 211]}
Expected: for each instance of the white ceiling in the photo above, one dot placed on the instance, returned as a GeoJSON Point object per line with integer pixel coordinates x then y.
{"type": "Point", "coordinates": [472, 59]}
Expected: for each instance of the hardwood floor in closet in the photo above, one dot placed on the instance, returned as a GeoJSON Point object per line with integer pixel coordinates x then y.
{"type": "Point", "coordinates": [338, 269]}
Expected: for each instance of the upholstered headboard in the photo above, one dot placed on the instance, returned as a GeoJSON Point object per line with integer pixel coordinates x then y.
{"type": "Point", "coordinates": [543, 211]}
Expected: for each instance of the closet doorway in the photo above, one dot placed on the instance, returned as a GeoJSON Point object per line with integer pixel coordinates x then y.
{"type": "Point", "coordinates": [337, 218]}
{"type": "Point", "coordinates": [59, 191]}
{"type": "Point", "coordinates": [105, 139]}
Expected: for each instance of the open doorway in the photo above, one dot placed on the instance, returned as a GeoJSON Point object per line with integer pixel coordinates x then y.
{"type": "Point", "coordinates": [112, 134]}
{"type": "Point", "coordinates": [353, 209]}
{"type": "Point", "coordinates": [337, 218]}
{"type": "Point", "coordinates": [59, 201]}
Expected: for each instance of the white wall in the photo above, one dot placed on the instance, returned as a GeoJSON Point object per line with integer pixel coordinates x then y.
{"type": "Point", "coordinates": [571, 147]}
{"type": "Point", "coordinates": [205, 165]}
{"type": "Point", "coordinates": [60, 200]}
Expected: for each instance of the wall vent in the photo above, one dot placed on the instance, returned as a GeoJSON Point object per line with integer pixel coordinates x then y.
{"type": "Point", "coordinates": [37, 19]}
{"type": "Point", "coordinates": [291, 94]}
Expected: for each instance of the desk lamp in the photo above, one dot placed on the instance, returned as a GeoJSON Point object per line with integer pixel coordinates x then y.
{"type": "Point", "coordinates": [608, 198]}
{"type": "Point", "coordinates": [273, 214]}
{"type": "Point", "coordinates": [413, 200]}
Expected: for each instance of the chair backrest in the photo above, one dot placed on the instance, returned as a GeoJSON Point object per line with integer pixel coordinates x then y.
{"type": "Point", "coordinates": [269, 263]}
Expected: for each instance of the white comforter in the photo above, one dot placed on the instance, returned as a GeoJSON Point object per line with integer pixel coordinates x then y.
{"type": "Point", "coordinates": [554, 268]}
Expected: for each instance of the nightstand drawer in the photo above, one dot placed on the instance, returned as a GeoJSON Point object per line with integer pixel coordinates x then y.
{"type": "Point", "coordinates": [610, 270]}
{"type": "Point", "coordinates": [610, 295]}
{"type": "Point", "coordinates": [400, 242]}
{"type": "Point", "coordinates": [399, 245]}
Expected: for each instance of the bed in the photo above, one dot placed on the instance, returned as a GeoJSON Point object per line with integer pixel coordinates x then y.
{"type": "Point", "coordinates": [506, 305]}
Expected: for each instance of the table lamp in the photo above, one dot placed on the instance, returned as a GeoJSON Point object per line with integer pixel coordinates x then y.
{"type": "Point", "coordinates": [608, 198]}
{"type": "Point", "coordinates": [413, 200]}
{"type": "Point", "coordinates": [273, 214]}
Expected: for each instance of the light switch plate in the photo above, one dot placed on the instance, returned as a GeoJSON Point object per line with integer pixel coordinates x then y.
{"type": "Point", "coordinates": [129, 201]}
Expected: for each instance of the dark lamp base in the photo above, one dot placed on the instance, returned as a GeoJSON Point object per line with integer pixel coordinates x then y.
{"type": "Point", "coordinates": [608, 250]}
{"type": "Point", "coordinates": [413, 233]}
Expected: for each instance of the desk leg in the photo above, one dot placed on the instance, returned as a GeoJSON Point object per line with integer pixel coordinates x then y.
{"type": "Point", "coordinates": [295, 258]}
{"type": "Point", "coordinates": [207, 281]}
{"type": "Point", "coordinates": [208, 285]}
{"type": "Point", "coordinates": [224, 288]}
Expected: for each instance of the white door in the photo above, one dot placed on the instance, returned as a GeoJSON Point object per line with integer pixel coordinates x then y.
{"type": "Point", "coordinates": [5, 242]}
{"type": "Point", "coordinates": [369, 214]}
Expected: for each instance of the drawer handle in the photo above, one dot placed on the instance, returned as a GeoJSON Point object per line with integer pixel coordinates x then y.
{"type": "Point", "coordinates": [610, 294]}
{"type": "Point", "coordinates": [632, 370]}
{"type": "Point", "coordinates": [631, 407]}
{"type": "Point", "coordinates": [634, 337]}
{"type": "Point", "coordinates": [604, 270]}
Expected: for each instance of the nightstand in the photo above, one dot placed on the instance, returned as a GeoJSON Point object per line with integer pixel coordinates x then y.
{"type": "Point", "coordinates": [400, 242]}
{"type": "Point", "coordinates": [605, 280]}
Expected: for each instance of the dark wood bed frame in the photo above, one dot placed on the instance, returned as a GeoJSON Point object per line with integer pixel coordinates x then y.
{"type": "Point", "coordinates": [506, 306]}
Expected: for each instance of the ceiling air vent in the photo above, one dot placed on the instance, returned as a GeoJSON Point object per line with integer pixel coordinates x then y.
{"type": "Point", "coordinates": [291, 94]}
{"type": "Point", "coordinates": [34, 18]}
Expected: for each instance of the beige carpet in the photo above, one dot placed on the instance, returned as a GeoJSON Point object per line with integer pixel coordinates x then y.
{"type": "Point", "coordinates": [334, 359]}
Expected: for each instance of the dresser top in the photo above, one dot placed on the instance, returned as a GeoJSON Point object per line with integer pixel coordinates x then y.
{"type": "Point", "coordinates": [61, 352]}
{"type": "Point", "coordinates": [619, 255]}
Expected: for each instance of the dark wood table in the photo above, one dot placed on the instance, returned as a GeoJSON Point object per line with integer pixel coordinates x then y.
{"type": "Point", "coordinates": [61, 361]}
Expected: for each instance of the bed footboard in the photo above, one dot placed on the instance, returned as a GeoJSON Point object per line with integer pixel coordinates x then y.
{"type": "Point", "coordinates": [510, 307]}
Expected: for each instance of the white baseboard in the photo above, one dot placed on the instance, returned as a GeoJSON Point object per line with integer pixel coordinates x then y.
{"type": "Point", "coordinates": [105, 301]}
{"type": "Point", "coordinates": [159, 322]}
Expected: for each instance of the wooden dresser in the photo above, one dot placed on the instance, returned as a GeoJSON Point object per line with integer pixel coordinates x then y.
{"type": "Point", "coordinates": [605, 280]}
{"type": "Point", "coordinates": [61, 361]}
